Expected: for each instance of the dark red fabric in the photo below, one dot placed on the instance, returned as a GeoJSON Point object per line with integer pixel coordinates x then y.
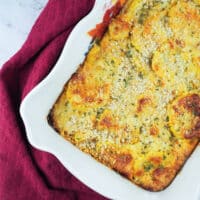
{"type": "Point", "coordinates": [25, 172]}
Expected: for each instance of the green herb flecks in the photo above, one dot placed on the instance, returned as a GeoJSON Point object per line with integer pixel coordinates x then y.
{"type": "Point", "coordinates": [148, 166]}
{"type": "Point", "coordinates": [140, 74]}
{"type": "Point", "coordinates": [66, 103]}
{"type": "Point", "coordinates": [99, 112]}
{"type": "Point", "coordinates": [143, 15]}
{"type": "Point", "coordinates": [127, 80]}
{"type": "Point", "coordinates": [141, 129]}
{"type": "Point", "coordinates": [128, 54]}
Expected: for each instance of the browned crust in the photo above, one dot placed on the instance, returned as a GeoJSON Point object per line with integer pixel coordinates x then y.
{"type": "Point", "coordinates": [123, 160]}
{"type": "Point", "coordinates": [120, 165]}
{"type": "Point", "coordinates": [50, 117]}
{"type": "Point", "coordinates": [179, 167]}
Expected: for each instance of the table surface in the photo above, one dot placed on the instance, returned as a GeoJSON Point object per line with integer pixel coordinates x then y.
{"type": "Point", "coordinates": [16, 19]}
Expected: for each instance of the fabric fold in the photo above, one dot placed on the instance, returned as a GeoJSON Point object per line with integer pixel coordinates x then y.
{"type": "Point", "coordinates": [25, 172]}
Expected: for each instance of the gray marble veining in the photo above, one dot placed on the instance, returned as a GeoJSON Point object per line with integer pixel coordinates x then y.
{"type": "Point", "coordinates": [16, 19]}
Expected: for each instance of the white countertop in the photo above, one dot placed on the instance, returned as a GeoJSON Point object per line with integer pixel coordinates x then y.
{"type": "Point", "coordinates": [16, 19]}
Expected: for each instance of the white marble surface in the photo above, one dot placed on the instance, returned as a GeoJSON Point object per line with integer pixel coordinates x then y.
{"type": "Point", "coordinates": [16, 19]}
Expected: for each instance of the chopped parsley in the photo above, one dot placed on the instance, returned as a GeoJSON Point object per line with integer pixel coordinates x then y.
{"type": "Point", "coordinates": [99, 112]}
{"type": "Point", "coordinates": [148, 166]}
{"type": "Point", "coordinates": [140, 74]}
{"type": "Point", "coordinates": [141, 129]}
{"type": "Point", "coordinates": [66, 103]}
{"type": "Point", "coordinates": [128, 53]}
{"type": "Point", "coordinates": [143, 15]}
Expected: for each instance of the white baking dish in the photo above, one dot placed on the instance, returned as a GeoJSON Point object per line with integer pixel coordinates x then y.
{"type": "Point", "coordinates": [35, 108]}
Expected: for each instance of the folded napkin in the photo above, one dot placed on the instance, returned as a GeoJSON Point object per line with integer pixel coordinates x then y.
{"type": "Point", "coordinates": [25, 172]}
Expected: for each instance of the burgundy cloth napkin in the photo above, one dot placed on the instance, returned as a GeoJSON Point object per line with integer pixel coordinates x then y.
{"type": "Point", "coordinates": [25, 172]}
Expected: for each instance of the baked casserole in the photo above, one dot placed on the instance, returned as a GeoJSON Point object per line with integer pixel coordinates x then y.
{"type": "Point", "coordinates": [134, 103]}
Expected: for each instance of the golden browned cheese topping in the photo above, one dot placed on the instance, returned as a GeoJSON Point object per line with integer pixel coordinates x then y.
{"type": "Point", "coordinates": [134, 104]}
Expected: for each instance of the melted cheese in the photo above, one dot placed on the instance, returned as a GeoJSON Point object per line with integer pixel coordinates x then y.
{"type": "Point", "coordinates": [123, 106]}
